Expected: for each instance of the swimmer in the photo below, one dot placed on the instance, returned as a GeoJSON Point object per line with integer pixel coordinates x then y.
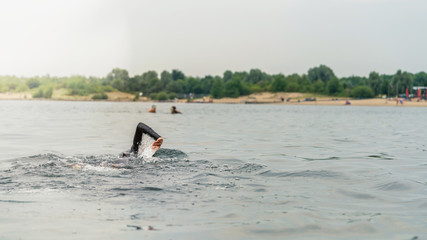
{"type": "Point", "coordinates": [153, 109]}
{"type": "Point", "coordinates": [140, 129]}
{"type": "Point", "coordinates": [174, 111]}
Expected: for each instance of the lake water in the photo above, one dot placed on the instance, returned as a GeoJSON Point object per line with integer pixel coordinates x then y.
{"type": "Point", "coordinates": [224, 172]}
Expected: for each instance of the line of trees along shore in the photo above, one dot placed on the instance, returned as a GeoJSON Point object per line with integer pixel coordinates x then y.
{"type": "Point", "coordinates": [175, 84]}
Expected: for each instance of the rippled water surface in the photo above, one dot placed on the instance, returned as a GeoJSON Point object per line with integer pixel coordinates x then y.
{"type": "Point", "coordinates": [223, 172]}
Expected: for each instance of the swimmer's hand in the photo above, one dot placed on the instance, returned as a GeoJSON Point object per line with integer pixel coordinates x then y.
{"type": "Point", "coordinates": [157, 143]}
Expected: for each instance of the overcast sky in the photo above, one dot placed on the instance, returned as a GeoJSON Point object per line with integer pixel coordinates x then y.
{"type": "Point", "coordinates": [207, 37]}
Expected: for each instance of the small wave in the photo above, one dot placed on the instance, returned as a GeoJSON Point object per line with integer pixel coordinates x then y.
{"type": "Point", "coordinates": [15, 201]}
{"type": "Point", "coordinates": [166, 153]}
{"type": "Point", "coordinates": [5, 180]}
{"type": "Point", "coordinates": [137, 189]}
{"type": "Point", "coordinates": [55, 171]}
{"type": "Point", "coordinates": [248, 168]}
{"type": "Point", "coordinates": [149, 189]}
{"type": "Point", "coordinates": [382, 156]}
{"type": "Point", "coordinates": [47, 156]}
{"type": "Point", "coordinates": [355, 194]}
{"type": "Point", "coordinates": [393, 186]}
{"type": "Point", "coordinates": [290, 230]}
{"type": "Point", "coordinates": [308, 173]}
{"type": "Point", "coordinates": [321, 159]}
{"type": "Point", "coordinates": [109, 176]}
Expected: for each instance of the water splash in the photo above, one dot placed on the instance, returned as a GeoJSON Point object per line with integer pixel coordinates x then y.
{"type": "Point", "coordinates": [145, 150]}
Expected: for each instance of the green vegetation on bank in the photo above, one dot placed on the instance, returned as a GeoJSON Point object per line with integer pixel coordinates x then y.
{"type": "Point", "coordinates": [175, 84]}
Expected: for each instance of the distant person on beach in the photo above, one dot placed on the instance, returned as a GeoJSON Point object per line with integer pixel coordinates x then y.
{"type": "Point", "coordinates": [141, 128]}
{"type": "Point", "coordinates": [174, 111]}
{"type": "Point", "coordinates": [152, 109]}
{"type": "Point", "coordinates": [347, 102]}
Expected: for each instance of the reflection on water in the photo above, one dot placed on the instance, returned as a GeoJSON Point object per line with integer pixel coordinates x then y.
{"type": "Point", "coordinates": [224, 171]}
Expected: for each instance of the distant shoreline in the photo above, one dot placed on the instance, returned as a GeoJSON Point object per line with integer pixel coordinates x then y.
{"type": "Point", "coordinates": [257, 98]}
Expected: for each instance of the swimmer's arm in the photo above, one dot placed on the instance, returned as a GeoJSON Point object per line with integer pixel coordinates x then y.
{"type": "Point", "coordinates": [146, 129]}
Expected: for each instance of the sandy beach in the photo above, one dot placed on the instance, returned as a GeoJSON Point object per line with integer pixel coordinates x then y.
{"type": "Point", "coordinates": [256, 98]}
{"type": "Point", "coordinates": [61, 95]}
{"type": "Point", "coordinates": [304, 99]}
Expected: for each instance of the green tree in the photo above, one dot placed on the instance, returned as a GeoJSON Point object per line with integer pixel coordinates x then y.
{"type": "Point", "coordinates": [258, 77]}
{"type": "Point", "coordinates": [292, 87]}
{"type": "Point", "coordinates": [33, 83]}
{"type": "Point", "coordinates": [353, 81]}
{"type": "Point", "coordinates": [206, 84]}
{"type": "Point", "coordinates": [155, 85]}
{"type": "Point", "coordinates": [304, 83]}
{"type": "Point", "coordinates": [38, 94]}
{"type": "Point", "coordinates": [279, 83]}
{"type": "Point", "coordinates": [242, 76]}
{"type": "Point", "coordinates": [118, 78]}
{"type": "Point", "coordinates": [100, 96]}
{"type": "Point", "coordinates": [133, 85]}
{"type": "Point", "coordinates": [150, 76]}
{"type": "Point", "coordinates": [153, 96]}
{"type": "Point", "coordinates": [2, 87]}
{"type": "Point", "coordinates": [118, 84]}
{"type": "Point", "coordinates": [319, 86]}
{"type": "Point", "coordinates": [401, 81]}
{"type": "Point", "coordinates": [193, 85]}
{"type": "Point", "coordinates": [420, 79]}
{"type": "Point", "coordinates": [333, 86]}
{"type": "Point", "coordinates": [374, 81]}
{"type": "Point", "coordinates": [176, 86]}
{"type": "Point", "coordinates": [387, 84]}
{"type": "Point", "coordinates": [161, 96]}
{"type": "Point", "coordinates": [227, 76]}
{"type": "Point", "coordinates": [141, 85]}
{"type": "Point", "coordinates": [172, 96]}
{"type": "Point", "coordinates": [255, 88]}
{"type": "Point", "coordinates": [217, 90]}
{"type": "Point", "coordinates": [117, 73]}
{"type": "Point", "coordinates": [177, 74]}
{"type": "Point", "coordinates": [362, 92]}
{"type": "Point", "coordinates": [232, 88]}
{"type": "Point", "coordinates": [255, 76]}
{"type": "Point", "coordinates": [12, 86]}
{"type": "Point", "coordinates": [165, 78]}
{"type": "Point", "coordinates": [236, 87]}
{"type": "Point", "coordinates": [321, 72]}
{"type": "Point", "coordinates": [43, 93]}
{"type": "Point", "coordinates": [48, 92]}
{"type": "Point", "coordinates": [78, 85]}
{"type": "Point", "coordinates": [148, 83]}
{"type": "Point", "coordinates": [22, 87]}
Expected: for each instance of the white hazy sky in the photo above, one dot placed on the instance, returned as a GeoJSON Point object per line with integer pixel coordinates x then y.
{"type": "Point", "coordinates": [201, 37]}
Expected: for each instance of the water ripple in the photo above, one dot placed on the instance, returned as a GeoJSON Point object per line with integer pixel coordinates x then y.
{"type": "Point", "coordinates": [393, 186]}
{"type": "Point", "coordinates": [307, 173]}
{"type": "Point", "coordinates": [355, 194]}
{"type": "Point", "coordinates": [382, 156]}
